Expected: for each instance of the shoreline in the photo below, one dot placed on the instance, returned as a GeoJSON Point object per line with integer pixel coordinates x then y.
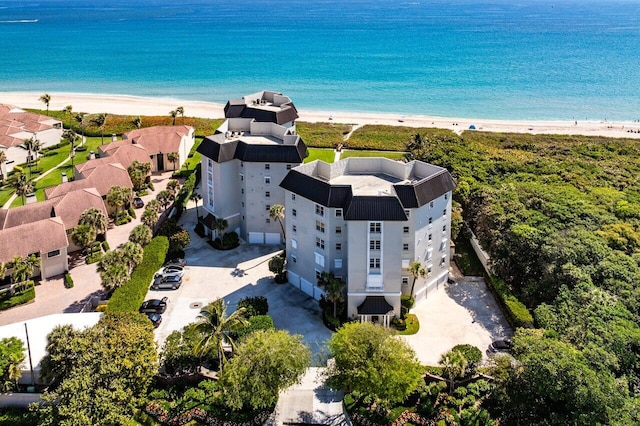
{"type": "Point", "coordinates": [137, 105]}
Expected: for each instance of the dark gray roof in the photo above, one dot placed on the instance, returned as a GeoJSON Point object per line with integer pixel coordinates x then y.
{"type": "Point", "coordinates": [419, 194]}
{"type": "Point", "coordinates": [375, 208]}
{"type": "Point", "coordinates": [220, 151]}
{"type": "Point", "coordinates": [317, 190]}
{"type": "Point", "coordinates": [237, 108]}
{"type": "Point", "coordinates": [374, 305]}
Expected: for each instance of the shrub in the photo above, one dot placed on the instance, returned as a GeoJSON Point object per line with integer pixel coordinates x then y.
{"type": "Point", "coordinates": [407, 301]}
{"type": "Point", "coordinates": [230, 240]}
{"type": "Point", "coordinates": [151, 187]}
{"type": "Point", "coordinates": [26, 294]}
{"type": "Point", "coordinates": [105, 246]}
{"type": "Point", "coordinates": [81, 148]}
{"type": "Point", "coordinates": [93, 258]}
{"type": "Point", "coordinates": [258, 305]}
{"type": "Point", "coordinates": [258, 322]}
{"type": "Point", "coordinates": [516, 312]}
{"type": "Point", "coordinates": [131, 212]}
{"type": "Point", "coordinates": [129, 296]}
{"type": "Point", "coordinates": [472, 354]}
{"type": "Point", "coordinates": [68, 281]}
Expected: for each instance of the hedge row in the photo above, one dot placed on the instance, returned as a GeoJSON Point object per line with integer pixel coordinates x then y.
{"type": "Point", "coordinates": [20, 298]}
{"type": "Point", "coordinates": [517, 313]}
{"type": "Point", "coordinates": [131, 294]}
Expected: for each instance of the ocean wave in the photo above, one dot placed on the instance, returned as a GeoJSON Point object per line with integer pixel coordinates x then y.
{"type": "Point", "coordinates": [20, 21]}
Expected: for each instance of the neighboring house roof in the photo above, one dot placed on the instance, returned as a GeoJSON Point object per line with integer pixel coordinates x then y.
{"type": "Point", "coordinates": [220, 151]}
{"type": "Point", "coordinates": [102, 178]}
{"type": "Point", "coordinates": [374, 305]}
{"type": "Point", "coordinates": [264, 110]}
{"type": "Point", "coordinates": [158, 138]}
{"type": "Point", "coordinates": [124, 154]}
{"type": "Point", "coordinates": [375, 208]}
{"type": "Point", "coordinates": [35, 237]}
{"type": "Point", "coordinates": [69, 207]}
{"type": "Point", "coordinates": [16, 123]}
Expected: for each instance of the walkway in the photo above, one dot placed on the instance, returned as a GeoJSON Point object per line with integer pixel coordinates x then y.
{"type": "Point", "coordinates": [310, 403]}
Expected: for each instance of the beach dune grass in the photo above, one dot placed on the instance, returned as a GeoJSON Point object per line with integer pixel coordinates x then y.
{"type": "Point", "coordinates": [322, 135]}
{"type": "Point", "coordinates": [392, 138]}
{"type": "Point", "coordinates": [324, 154]}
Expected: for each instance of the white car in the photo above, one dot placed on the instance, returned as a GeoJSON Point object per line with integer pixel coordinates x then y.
{"type": "Point", "coordinates": [172, 270]}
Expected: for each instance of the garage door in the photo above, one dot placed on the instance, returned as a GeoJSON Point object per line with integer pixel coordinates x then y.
{"type": "Point", "coordinates": [306, 287]}
{"type": "Point", "coordinates": [294, 279]}
{"type": "Point", "coordinates": [256, 238]}
{"type": "Point", "coordinates": [54, 269]}
{"type": "Point", "coordinates": [271, 238]}
{"type": "Point", "coordinates": [317, 293]}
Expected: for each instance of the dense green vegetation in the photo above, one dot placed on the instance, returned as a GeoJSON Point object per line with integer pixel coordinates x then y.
{"type": "Point", "coordinates": [389, 138]}
{"type": "Point", "coordinates": [559, 216]}
{"type": "Point", "coordinates": [322, 135]}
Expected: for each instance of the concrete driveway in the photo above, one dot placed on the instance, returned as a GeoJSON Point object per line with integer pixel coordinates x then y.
{"type": "Point", "coordinates": [459, 313]}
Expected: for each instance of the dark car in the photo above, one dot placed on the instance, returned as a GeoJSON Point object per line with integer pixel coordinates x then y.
{"type": "Point", "coordinates": [154, 306]}
{"type": "Point", "coordinates": [171, 281]}
{"type": "Point", "coordinates": [176, 262]}
{"type": "Point", "coordinates": [156, 319]}
{"type": "Point", "coordinates": [137, 203]}
{"type": "Point", "coordinates": [503, 345]}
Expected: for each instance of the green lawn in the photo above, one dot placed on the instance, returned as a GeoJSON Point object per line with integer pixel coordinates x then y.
{"type": "Point", "coordinates": [326, 155]}
{"type": "Point", "coordinates": [393, 155]}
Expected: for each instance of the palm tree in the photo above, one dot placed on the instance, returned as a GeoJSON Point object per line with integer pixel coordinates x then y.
{"type": "Point", "coordinates": [220, 224]}
{"type": "Point", "coordinates": [94, 218]}
{"type": "Point", "coordinates": [149, 216]}
{"type": "Point", "coordinates": [37, 148]}
{"type": "Point", "coordinates": [46, 99]}
{"type": "Point", "coordinates": [71, 136]}
{"type": "Point", "coordinates": [333, 288]}
{"type": "Point", "coordinates": [195, 197]}
{"type": "Point", "coordinates": [69, 110]}
{"type": "Point", "coordinates": [3, 159]}
{"type": "Point", "coordinates": [173, 157]}
{"type": "Point", "coordinates": [213, 325]}
{"type": "Point", "coordinates": [276, 212]}
{"type": "Point", "coordinates": [116, 198]}
{"type": "Point", "coordinates": [30, 146]}
{"type": "Point", "coordinates": [454, 365]}
{"type": "Point", "coordinates": [180, 110]}
{"type": "Point", "coordinates": [141, 234]}
{"type": "Point", "coordinates": [80, 120]}
{"type": "Point", "coordinates": [173, 114]}
{"type": "Point", "coordinates": [22, 186]}
{"type": "Point", "coordinates": [100, 121]}
{"type": "Point", "coordinates": [416, 271]}
{"type": "Point", "coordinates": [24, 267]}
{"type": "Point", "coordinates": [83, 236]}
{"type": "Point", "coordinates": [3, 270]}
{"type": "Point", "coordinates": [131, 254]}
{"type": "Point", "coordinates": [165, 197]}
{"type": "Point", "coordinates": [173, 186]}
{"type": "Point", "coordinates": [155, 206]}
{"type": "Point", "coordinates": [137, 122]}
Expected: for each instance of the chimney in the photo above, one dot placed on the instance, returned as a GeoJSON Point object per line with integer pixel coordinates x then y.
{"type": "Point", "coordinates": [92, 155]}
{"type": "Point", "coordinates": [114, 137]}
{"type": "Point", "coordinates": [31, 198]}
{"type": "Point", "coordinates": [64, 177]}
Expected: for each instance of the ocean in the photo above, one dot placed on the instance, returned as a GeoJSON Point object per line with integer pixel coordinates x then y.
{"type": "Point", "coordinates": [502, 59]}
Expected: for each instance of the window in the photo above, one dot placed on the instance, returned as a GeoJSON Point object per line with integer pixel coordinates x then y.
{"type": "Point", "coordinates": [430, 220]}
{"type": "Point", "coordinates": [320, 243]}
{"type": "Point", "coordinates": [293, 197]}
{"type": "Point", "coordinates": [444, 228]}
{"type": "Point", "coordinates": [443, 260]}
{"type": "Point", "coordinates": [405, 246]}
{"type": "Point", "coordinates": [267, 166]}
{"type": "Point", "coordinates": [53, 253]}
{"type": "Point", "coordinates": [318, 274]}
{"type": "Point", "coordinates": [337, 263]}
{"type": "Point", "coordinates": [319, 259]}
{"type": "Point", "coordinates": [374, 263]}
{"type": "Point", "coordinates": [374, 227]}
{"type": "Point", "coordinates": [267, 194]}
{"type": "Point", "coordinates": [294, 243]}
{"type": "Point", "coordinates": [338, 246]}
{"type": "Point", "coordinates": [209, 163]}
{"type": "Point", "coordinates": [242, 190]}
{"type": "Point", "coordinates": [210, 196]}
{"type": "Point", "coordinates": [429, 254]}
{"type": "Point", "coordinates": [209, 178]}
{"type": "Point", "coordinates": [446, 196]}
{"type": "Point", "coordinates": [374, 245]}
{"type": "Point", "coordinates": [431, 205]}
{"type": "Point", "coordinates": [241, 177]}
{"type": "Point", "coordinates": [267, 207]}
{"type": "Point", "coordinates": [294, 213]}
{"type": "Point", "coordinates": [430, 237]}
{"type": "Point", "coordinates": [294, 259]}
{"type": "Point", "coordinates": [288, 166]}
{"type": "Point", "coordinates": [294, 228]}
{"type": "Point", "coordinates": [405, 263]}
{"type": "Point", "coordinates": [408, 213]}
{"type": "Point", "coordinates": [267, 180]}
{"type": "Point", "coordinates": [241, 164]}
{"type": "Point", "coordinates": [444, 212]}
{"type": "Point", "coordinates": [268, 220]}
{"type": "Point", "coordinates": [405, 281]}
{"type": "Point", "coordinates": [319, 226]}
{"type": "Point", "coordinates": [429, 268]}
{"type": "Point", "coordinates": [319, 210]}
{"type": "Point", "coordinates": [338, 229]}
{"type": "Point", "coordinates": [242, 204]}
{"type": "Point", "coordinates": [405, 229]}
{"type": "Point", "coordinates": [338, 212]}
{"type": "Point", "coordinates": [443, 244]}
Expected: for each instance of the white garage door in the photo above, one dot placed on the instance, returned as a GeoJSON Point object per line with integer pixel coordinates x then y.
{"type": "Point", "coordinates": [317, 293]}
{"type": "Point", "coordinates": [294, 279]}
{"type": "Point", "coordinates": [54, 269]}
{"type": "Point", "coordinates": [256, 238]}
{"type": "Point", "coordinates": [306, 287]}
{"type": "Point", "coordinates": [271, 238]}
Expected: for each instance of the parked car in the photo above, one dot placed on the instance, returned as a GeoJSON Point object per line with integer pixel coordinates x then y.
{"type": "Point", "coordinates": [502, 345]}
{"type": "Point", "coordinates": [137, 203]}
{"type": "Point", "coordinates": [166, 271]}
{"type": "Point", "coordinates": [156, 319]}
{"type": "Point", "coordinates": [153, 306]}
{"type": "Point", "coordinates": [176, 262]}
{"type": "Point", "coordinates": [172, 281]}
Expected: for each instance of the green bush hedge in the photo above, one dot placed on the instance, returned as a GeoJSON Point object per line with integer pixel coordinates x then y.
{"type": "Point", "coordinates": [407, 301]}
{"type": "Point", "coordinates": [258, 305]}
{"type": "Point", "coordinates": [27, 294]}
{"type": "Point", "coordinates": [517, 313]}
{"type": "Point", "coordinates": [68, 281]}
{"type": "Point", "coordinates": [131, 294]}
{"type": "Point", "coordinates": [258, 322]}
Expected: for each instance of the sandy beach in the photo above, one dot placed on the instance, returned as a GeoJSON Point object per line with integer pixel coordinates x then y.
{"type": "Point", "coordinates": [134, 105]}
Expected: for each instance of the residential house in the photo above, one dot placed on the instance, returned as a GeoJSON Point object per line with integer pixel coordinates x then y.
{"type": "Point", "coordinates": [366, 220]}
{"type": "Point", "coordinates": [102, 178]}
{"type": "Point", "coordinates": [159, 141]}
{"type": "Point", "coordinates": [244, 162]}
{"type": "Point", "coordinates": [17, 125]}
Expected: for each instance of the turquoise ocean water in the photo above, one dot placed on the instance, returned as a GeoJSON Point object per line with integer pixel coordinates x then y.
{"type": "Point", "coordinates": [524, 59]}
